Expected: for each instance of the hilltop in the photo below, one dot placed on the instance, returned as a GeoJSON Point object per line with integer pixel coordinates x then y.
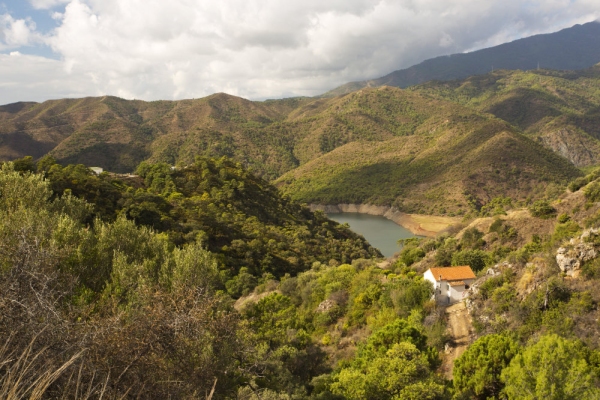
{"type": "Point", "coordinates": [118, 134]}
{"type": "Point", "coordinates": [573, 48]}
{"type": "Point", "coordinates": [556, 108]}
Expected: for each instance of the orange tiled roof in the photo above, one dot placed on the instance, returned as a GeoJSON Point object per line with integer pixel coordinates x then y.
{"type": "Point", "coordinates": [453, 273]}
{"type": "Point", "coordinates": [456, 283]}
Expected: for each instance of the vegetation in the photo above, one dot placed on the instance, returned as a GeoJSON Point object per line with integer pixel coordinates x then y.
{"type": "Point", "coordinates": [455, 171]}
{"type": "Point", "coordinates": [555, 108]}
{"type": "Point", "coordinates": [220, 205]}
{"type": "Point", "coordinates": [102, 305]}
{"type": "Point", "coordinates": [542, 209]}
{"type": "Point", "coordinates": [477, 373]}
{"type": "Point", "coordinates": [204, 280]}
{"type": "Point", "coordinates": [136, 286]}
{"type": "Point", "coordinates": [382, 146]}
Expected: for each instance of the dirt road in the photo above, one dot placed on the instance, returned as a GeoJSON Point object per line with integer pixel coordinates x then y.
{"type": "Point", "coordinates": [459, 330]}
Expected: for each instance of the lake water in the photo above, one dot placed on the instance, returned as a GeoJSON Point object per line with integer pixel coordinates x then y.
{"type": "Point", "coordinates": [379, 231]}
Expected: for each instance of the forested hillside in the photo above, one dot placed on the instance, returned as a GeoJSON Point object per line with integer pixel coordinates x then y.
{"type": "Point", "coordinates": [383, 146]}
{"type": "Point", "coordinates": [142, 291]}
{"type": "Point", "coordinates": [453, 161]}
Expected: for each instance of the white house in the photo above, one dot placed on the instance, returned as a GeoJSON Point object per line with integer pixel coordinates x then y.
{"type": "Point", "coordinates": [451, 284]}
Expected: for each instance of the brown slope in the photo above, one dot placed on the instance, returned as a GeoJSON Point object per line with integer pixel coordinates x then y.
{"type": "Point", "coordinates": [558, 109]}
{"type": "Point", "coordinates": [450, 165]}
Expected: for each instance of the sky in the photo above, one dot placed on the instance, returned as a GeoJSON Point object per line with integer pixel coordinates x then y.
{"type": "Point", "coordinates": [256, 49]}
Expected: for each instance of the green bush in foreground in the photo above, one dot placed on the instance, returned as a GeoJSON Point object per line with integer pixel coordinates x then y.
{"type": "Point", "coordinates": [553, 368]}
{"type": "Point", "coordinates": [477, 371]}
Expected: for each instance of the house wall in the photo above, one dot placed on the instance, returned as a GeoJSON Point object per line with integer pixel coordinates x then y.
{"type": "Point", "coordinates": [459, 293]}
{"type": "Point", "coordinates": [456, 293]}
{"type": "Point", "coordinates": [443, 292]}
{"type": "Point", "coordinates": [440, 288]}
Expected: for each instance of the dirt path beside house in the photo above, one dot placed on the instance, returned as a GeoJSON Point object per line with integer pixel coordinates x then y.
{"type": "Point", "coordinates": [459, 330]}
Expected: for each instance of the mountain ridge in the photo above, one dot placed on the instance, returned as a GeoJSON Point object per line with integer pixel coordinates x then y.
{"type": "Point", "coordinates": [578, 46]}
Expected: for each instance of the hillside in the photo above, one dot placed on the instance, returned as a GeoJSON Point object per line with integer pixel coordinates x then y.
{"type": "Point", "coordinates": [118, 134]}
{"type": "Point", "coordinates": [219, 204]}
{"type": "Point", "coordinates": [557, 109]}
{"type": "Point", "coordinates": [386, 146]}
{"type": "Point", "coordinates": [107, 306]}
{"type": "Point", "coordinates": [573, 48]}
{"type": "Point", "coordinates": [454, 161]}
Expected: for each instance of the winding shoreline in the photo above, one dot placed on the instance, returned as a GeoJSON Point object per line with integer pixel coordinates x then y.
{"type": "Point", "coordinates": [418, 224]}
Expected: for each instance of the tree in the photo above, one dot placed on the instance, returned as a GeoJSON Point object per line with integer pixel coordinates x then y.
{"type": "Point", "coordinates": [401, 373]}
{"type": "Point", "coordinates": [24, 164]}
{"type": "Point", "coordinates": [477, 371]}
{"type": "Point", "coordinates": [476, 259]}
{"type": "Point", "coordinates": [553, 368]}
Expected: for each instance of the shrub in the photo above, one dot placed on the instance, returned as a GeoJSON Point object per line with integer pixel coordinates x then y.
{"type": "Point", "coordinates": [477, 371]}
{"type": "Point", "coordinates": [411, 255]}
{"type": "Point", "coordinates": [592, 192]}
{"type": "Point", "coordinates": [553, 368]}
{"type": "Point", "coordinates": [578, 183]}
{"type": "Point", "coordinates": [476, 259]}
{"type": "Point", "coordinates": [542, 209]}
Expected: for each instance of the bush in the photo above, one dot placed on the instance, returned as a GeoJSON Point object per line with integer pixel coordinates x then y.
{"type": "Point", "coordinates": [553, 368]}
{"type": "Point", "coordinates": [476, 259]}
{"type": "Point", "coordinates": [411, 255]}
{"type": "Point", "coordinates": [477, 371]}
{"type": "Point", "coordinates": [472, 238]}
{"type": "Point", "coordinates": [592, 192]}
{"type": "Point", "coordinates": [542, 209]}
{"type": "Point", "coordinates": [578, 183]}
{"type": "Point", "coordinates": [564, 231]}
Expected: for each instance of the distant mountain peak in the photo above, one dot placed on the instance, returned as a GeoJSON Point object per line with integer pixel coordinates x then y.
{"type": "Point", "coordinates": [573, 48]}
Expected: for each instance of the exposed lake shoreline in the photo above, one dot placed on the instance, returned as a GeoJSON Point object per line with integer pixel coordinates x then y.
{"type": "Point", "coordinates": [418, 224]}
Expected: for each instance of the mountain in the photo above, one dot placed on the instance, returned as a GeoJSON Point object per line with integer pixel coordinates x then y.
{"type": "Point", "coordinates": [384, 146]}
{"type": "Point", "coordinates": [560, 109]}
{"type": "Point", "coordinates": [455, 159]}
{"type": "Point", "coordinates": [573, 48]}
{"type": "Point", "coordinates": [118, 134]}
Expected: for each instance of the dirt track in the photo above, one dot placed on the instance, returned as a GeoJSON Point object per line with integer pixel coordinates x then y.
{"type": "Point", "coordinates": [459, 330]}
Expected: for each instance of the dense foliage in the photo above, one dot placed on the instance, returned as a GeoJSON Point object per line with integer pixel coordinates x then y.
{"type": "Point", "coordinates": [100, 304]}
{"type": "Point", "coordinates": [220, 205]}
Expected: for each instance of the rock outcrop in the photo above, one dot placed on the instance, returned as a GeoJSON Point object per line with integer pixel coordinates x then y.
{"type": "Point", "coordinates": [571, 257]}
{"type": "Point", "coordinates": [576, 147]}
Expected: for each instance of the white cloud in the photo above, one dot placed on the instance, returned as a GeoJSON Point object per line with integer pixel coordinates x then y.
{"type": "Point", "coordinates": [16, 33]}
{"type": "Point", "coordinates": [46, 4]}
{"type": "Point", "coordinates": [25, 77]}
{"type": "Point", "coordinates": [153, 49]}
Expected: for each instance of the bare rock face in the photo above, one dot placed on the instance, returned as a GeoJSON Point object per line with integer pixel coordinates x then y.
{"type": "Point", "coordinates": [566, 262]}
{"type": "Point", "coordinates": [326, 306]}
{"type": "Point", "coordinates": [577, 148]}
{"type": "Point", "coordinates": [579, 250]}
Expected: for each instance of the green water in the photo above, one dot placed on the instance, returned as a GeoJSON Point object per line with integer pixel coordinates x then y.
{"type": "Point", "coordinates": [379, 231]}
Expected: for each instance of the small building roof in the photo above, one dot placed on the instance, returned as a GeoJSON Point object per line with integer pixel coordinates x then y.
{"type": "Point", "coordinates": [456, 283]}
{"type": "Point", "coordinates": [453, 273]}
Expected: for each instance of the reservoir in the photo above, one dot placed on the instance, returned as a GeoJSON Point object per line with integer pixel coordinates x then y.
{"type": "Point", "coordinates": [379, 231]}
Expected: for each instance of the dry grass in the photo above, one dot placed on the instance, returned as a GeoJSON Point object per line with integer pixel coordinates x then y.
{"type": "Point", "coordinates": [28, 375]}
